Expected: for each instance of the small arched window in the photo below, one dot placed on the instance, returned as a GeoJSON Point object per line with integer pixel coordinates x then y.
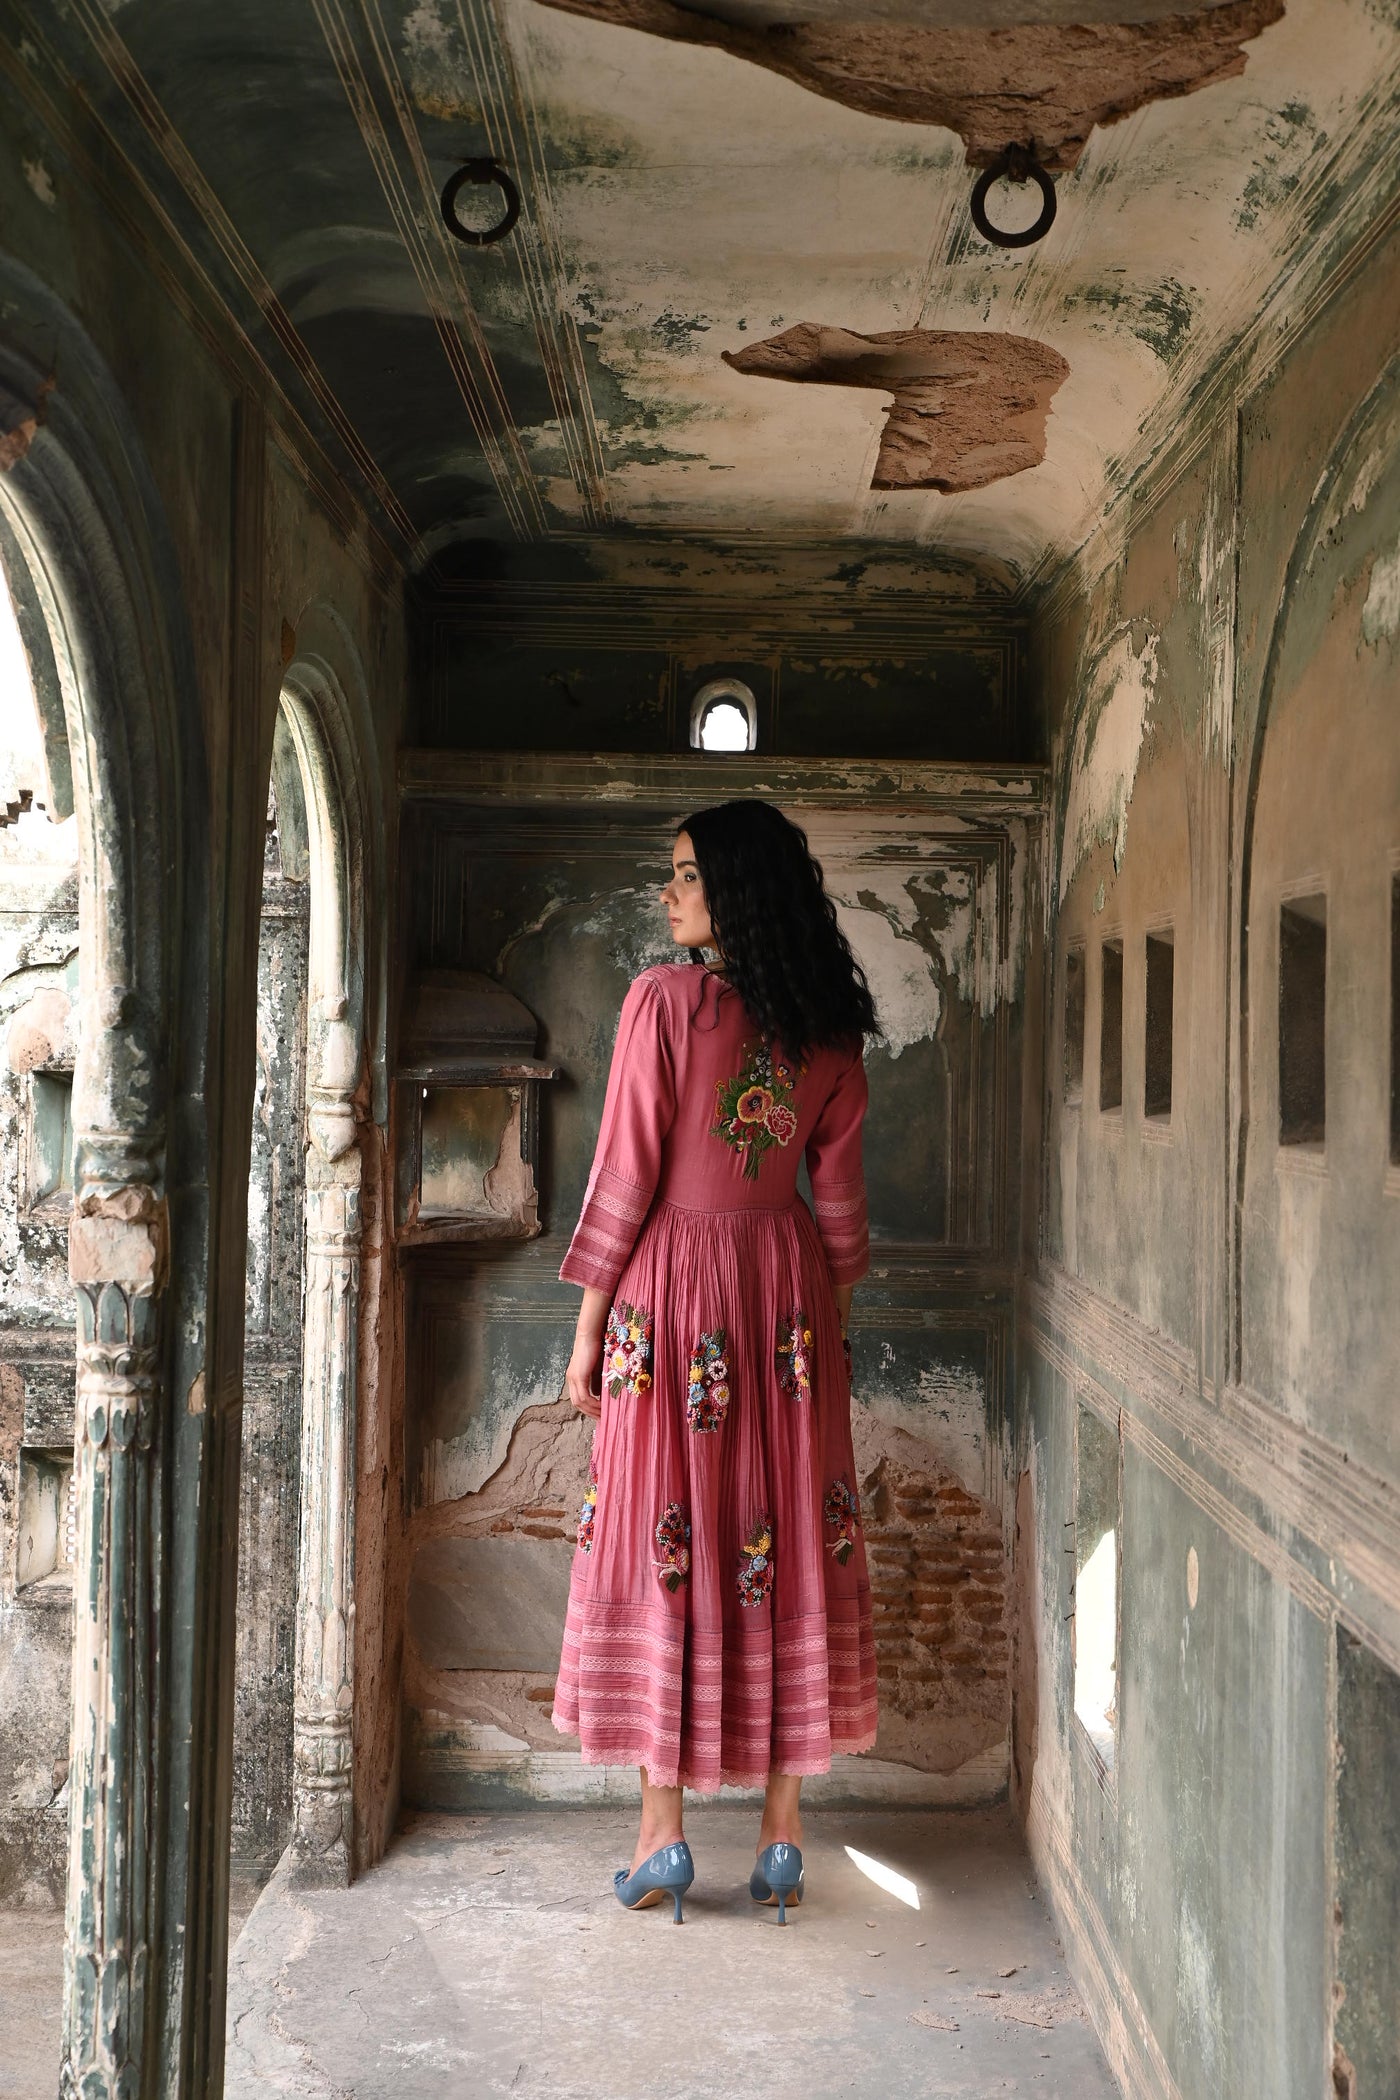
{"type": "Point", "coordinates": [724, 717]}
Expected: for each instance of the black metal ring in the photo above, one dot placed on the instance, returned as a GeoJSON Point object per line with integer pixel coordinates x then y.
{"type": "Point", "coordinates": [1019, 166]}
{"type": "Point", "coordinates": [481, 171]}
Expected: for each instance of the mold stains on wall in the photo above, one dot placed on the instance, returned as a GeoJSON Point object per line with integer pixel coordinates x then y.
{"type": "Point", "coordinates": [968, 408]}
{"type": "Point", "coordinates": [1049, 82]}
{"type": "Point", "coordinates": [488, 1577]}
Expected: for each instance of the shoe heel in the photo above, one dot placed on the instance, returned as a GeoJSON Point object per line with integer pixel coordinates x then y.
{"type": "Point", "coordinates": [782, 1906]}
{"type": "Point", "coordinates": [676, 1895]}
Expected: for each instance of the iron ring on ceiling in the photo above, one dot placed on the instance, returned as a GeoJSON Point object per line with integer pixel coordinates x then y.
{"type": "Point", "coordinates": [1017, 164]}
{"type": "Point", "coordinates": [480, 171]}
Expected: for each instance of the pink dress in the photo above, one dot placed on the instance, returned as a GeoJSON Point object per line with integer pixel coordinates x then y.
{"type": "Point", "coordinates": [719, 1609]}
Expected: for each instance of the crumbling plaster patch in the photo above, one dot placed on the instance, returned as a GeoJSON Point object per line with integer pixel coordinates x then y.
{"type": "Point", "coordinates": [1108, 741]}
{"type": "Point", "coordinates": [1046, 82]}
{"type": "Point", "coordinates": [1380, 615]}
{"type": "Point", "coordinates": [969, 408]}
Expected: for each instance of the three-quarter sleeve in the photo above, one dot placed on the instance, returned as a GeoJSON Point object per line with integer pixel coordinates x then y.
{"type": "Point", "coordinates": [838, 1178]}
{"type": "Point", "coordinates": [637, 1113]}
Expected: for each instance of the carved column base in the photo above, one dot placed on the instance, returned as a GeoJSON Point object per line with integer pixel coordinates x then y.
{"type": "Point", "coordinates": [322, 1846]}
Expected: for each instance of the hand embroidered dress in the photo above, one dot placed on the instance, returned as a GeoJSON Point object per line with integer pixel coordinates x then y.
{"type": "Point", "coordinates": [719, 1611]}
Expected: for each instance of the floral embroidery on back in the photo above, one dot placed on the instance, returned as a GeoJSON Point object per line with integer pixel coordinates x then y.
{"type": "Point", "coordinates": [792, 1355]}
{"type": "Point", "coordinates": [627, 1352]}
{"type": "Point", "coordinates": [756, 1563]}
{"type": "Point", "coordinates": [842, 1512]}
{"type": "Point", "coordinates": [708, 1401]}
{"type": "Point", "coordinates": [753, 1110]}
{"type": "Point", "coordinates": [673, 1543]}
{"type": "Point", "coordinates": [587, 1513]}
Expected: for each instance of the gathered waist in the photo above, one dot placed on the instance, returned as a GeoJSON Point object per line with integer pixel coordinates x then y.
{"type": "Point", "coordinates": [793, 1205]}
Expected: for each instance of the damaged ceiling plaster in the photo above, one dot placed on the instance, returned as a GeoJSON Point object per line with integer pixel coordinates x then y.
{"type": "Point", "coordinates": [559, 402]}
{"type": "Point", "coordinates": [1046, 82]}
{"type": "Point", "coordinates": [969, 408]}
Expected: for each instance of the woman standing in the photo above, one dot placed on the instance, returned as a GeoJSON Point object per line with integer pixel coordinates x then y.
{"type": "Point", "coordinates": [719, 1627]}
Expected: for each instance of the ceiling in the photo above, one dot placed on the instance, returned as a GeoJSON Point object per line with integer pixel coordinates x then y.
{"type": "Point", "coordinates": [556, 398]}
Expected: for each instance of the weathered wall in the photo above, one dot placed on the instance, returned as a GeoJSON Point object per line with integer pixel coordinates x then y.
{"type": "Point", "coordinates": [269, 1481]}
{"type": "Point", "coordinates": [38, 992]}
{"type": "Point", "coordinates": [169, 391]}
{"type": "Point", "coordinates": [1226, 740]}
{"type": "Point", "coordinates": [852, 655]}
{"type": "Point", "coordinates": [543, 874]}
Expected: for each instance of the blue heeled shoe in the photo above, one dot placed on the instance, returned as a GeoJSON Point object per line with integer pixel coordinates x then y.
{"type": "Point", "coordinates": [668, 1872]}
{"type": "Point", "coordinates": [777, 1878]}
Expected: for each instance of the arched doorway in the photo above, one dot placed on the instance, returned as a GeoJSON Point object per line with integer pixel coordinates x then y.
{"type": "Point", "coordinates": [91, 569]}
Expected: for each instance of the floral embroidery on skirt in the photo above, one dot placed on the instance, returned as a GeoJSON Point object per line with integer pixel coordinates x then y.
{"type": "Point", "coordinates": [793, 1356]}
{"type": "Point", "coordinates": [842, 1510]}
{"type": "Point", "coordinates": [753, 1110]}
{"type": "Point", "coordinates": [587, 1513]}
{"type": "Point", "coordinates": [627, 1352]}
{"type": "Point", "coordinates": [708, 1401]}
{"type": "Point", "coordinates": [756, 1563]}
{"type": "Point", "coordinates": [673, 1544]}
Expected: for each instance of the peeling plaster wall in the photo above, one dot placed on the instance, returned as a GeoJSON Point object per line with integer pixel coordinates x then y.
{"type": "Point", "coordinates": [552, 893]}
{"type": "Point", "coordinates": [265, 541]}
{"type": "Point", "coordinates": [1222, 682]}
{"type": "Point", "coordinates": [38, 998]}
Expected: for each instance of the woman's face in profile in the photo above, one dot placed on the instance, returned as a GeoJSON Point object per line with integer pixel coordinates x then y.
{"type": "Point", "coordinates": [684, 899]}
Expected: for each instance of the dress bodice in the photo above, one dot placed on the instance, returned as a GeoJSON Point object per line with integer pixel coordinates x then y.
{"type": "Point", "coordinates": [702, 1113]}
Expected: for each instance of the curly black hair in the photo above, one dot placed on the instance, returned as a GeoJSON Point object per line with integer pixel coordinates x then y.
{"type": "Point", "coordinates": [784, 952]}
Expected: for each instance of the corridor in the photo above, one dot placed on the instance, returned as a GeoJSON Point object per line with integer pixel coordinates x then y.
{"type": "Point", "coordinates": [452, 451]}
{"type": "Point", "coordinates": [485, 1955]}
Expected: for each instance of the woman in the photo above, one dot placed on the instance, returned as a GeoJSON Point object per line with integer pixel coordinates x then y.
{"type": "Point", "coordinates": [719, 1626]}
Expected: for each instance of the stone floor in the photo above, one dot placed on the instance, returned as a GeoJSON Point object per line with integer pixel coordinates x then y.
{"type": "Point", "coordinates": [486, 1955]}
{"type": "Point", "coordinates": [31, 1993]}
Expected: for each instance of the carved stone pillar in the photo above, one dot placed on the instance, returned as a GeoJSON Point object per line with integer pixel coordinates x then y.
{"type": "Point", "coordinates": [323, 1822]}
{"type": "Point", "coordinates": [117, 1259]}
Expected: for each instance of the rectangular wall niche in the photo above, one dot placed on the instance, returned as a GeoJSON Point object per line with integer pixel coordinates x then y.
{"type": "Point", "coordinates": [1366, 2057]}
{"type": "Point", "coordinates": [1157, 1039]}
{"type": "Point", "coordinates": [50, 1174]}
{"type": "Point", "coordinates": [1096, 1541]}
{"type": "Point", "coordinates": [1075, 974]}
{"type": "Point", "coordinates": [46, 1517]}
{"type": "Point", "coordinates": [1111, 1026]}
{"type": "Point", "coordinates": [1302, 1021]}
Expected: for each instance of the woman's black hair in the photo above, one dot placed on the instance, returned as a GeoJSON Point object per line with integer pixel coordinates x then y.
{"type": "Point", "coordinates": [784, 952]}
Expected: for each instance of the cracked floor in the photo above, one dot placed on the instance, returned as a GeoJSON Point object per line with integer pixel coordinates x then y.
{"type": "Point", "coordinates": [486, 1955]}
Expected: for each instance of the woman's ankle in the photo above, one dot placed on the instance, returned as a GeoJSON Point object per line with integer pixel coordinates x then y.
{"type": "Point", "coordinates": [782, 1814]}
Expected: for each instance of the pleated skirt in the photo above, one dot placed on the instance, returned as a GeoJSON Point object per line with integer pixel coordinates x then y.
{"type": "Point", "coordinates": [719, 1623]}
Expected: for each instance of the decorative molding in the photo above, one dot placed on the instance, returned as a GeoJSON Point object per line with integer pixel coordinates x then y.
{"type": "Point", "coordinates": [112, 1895]}
{"type": "Point", "coordinates": [435, 259]}
{"type": "Point", "coordinates": [1334, 1535]}
{"type": "Point", "coordinates": [1115, 2012]}
{"type": "Point", "coordinates": [323, 1839]}
{"type": "Point", "coordinates": [545, 780]}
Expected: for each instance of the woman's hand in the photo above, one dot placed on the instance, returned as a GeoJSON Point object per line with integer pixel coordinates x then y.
{"type": "Point", "coordinates": [585, 1363]}
{"type": "Point", "coordinates": [842, 1293]}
